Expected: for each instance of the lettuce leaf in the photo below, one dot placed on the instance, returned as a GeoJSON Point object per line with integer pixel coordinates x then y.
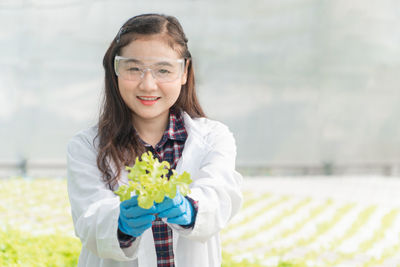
{"type": "Point", "coordinates": [148, 179]}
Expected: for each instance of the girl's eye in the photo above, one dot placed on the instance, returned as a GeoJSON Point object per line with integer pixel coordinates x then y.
{"type": "Point", "coordinates": [133, 69]}
{"type": "Point", "coordinates": [163, 71]}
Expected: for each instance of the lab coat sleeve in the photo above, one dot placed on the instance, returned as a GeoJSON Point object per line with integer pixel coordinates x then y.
{"type": "Point", "coordinates": [95, 209]}
{"type": "Point", "coordinates": [216, 187]}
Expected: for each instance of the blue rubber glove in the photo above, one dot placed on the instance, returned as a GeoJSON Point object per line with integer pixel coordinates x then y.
{"type": "Point", "coordinates": [178, 210]}
{"type": "Point", "coordinates": [134, 220]}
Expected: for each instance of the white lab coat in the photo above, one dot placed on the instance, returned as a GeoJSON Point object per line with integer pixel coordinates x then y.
{"type": "Point", "coordinates": [209, 156]}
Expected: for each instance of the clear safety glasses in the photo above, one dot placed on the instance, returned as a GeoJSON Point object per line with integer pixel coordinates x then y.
{"type": "Point", "coordinates": [163, 70]}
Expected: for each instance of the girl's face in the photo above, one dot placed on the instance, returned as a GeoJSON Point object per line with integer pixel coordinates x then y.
{"type": "Point", "coordinates": [155, 54]}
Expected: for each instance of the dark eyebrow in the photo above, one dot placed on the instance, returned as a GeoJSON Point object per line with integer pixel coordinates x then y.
{"type": "Point", "coordinates": [133, 60]}
{"type": "Point", "coordinates": [163, 63]}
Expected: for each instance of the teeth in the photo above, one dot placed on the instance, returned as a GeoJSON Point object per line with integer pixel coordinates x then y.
{"type": "Point", "coordinates": [148, 98]}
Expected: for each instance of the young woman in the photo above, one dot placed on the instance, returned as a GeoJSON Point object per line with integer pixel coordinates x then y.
{"type": "Point", "coordinates": [150, 104]}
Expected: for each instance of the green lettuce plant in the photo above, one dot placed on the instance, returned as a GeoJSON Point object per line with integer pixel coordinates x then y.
{"type": "Point", "coordinates": [148, 180]}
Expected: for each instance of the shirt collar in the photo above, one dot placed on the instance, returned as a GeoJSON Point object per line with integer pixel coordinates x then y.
{"type": "Point", "coordinates": [175, 130]}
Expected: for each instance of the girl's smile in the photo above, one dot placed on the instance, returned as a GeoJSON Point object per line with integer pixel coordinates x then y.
{"type": "Point", "coordinates": [148, 100]}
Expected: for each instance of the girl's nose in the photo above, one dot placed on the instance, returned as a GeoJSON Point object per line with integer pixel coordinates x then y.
{"type": "Point", "coordinates": [148, 80]}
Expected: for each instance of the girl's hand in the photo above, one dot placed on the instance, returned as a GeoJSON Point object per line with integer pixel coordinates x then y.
{"type": "Point", "coordinates": [134, 220]}
{"type": "Point", "coordinates": [178, 210]}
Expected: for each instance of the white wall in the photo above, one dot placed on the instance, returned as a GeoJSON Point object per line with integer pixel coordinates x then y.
{"type": "Point", "coordinates": [296, 80]}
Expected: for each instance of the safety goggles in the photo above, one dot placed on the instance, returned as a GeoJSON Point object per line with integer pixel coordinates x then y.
{"type": "Point", "coordinates": [162, 69]}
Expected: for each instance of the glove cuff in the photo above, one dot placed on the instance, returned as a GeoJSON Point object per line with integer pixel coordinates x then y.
{"type": "Point", "coordinates": [124, 240]}
{"type": "Point", "coordinates": [193, 208]}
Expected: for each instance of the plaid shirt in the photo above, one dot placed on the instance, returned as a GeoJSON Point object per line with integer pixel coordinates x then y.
{"type": "Point", "coordinates": [169, 149]}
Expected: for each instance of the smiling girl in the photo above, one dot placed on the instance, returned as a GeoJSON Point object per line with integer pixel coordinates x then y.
{"type": "Point", "coordinates": [150, 104]}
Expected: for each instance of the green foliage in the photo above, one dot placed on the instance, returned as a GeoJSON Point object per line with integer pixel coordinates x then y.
{"type": "Point", "coordinates": [45, 231]}
{"type": "Point", "coordinates": [37, 206]}
{"type": "Point", "coordinates": [290, 264]}
{"type": "Point", "coordinates": [227, 261]}
{"type": "Point", "coordinates": [148, 179]}
{"type": "Point", "coordinates": [22, 249]}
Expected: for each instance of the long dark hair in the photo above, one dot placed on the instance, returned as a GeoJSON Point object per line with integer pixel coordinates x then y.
{"type": "Point", "coordinates": [118, 143]}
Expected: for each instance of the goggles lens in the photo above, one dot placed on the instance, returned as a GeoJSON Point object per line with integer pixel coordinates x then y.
{"type": "Point", "coordinates": [163, 70]}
